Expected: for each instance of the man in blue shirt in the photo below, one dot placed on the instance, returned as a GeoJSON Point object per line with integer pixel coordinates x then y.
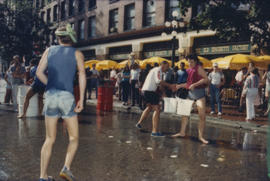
{"type": "Point", "coordinates": [182, 78]}
{"type": "Point", "coordinates": [62, 63]}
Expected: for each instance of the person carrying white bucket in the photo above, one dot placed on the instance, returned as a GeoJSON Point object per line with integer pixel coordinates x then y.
{"type": "Point", "coordinates": [37, 87]}
{"type": "Point", "coordinates": [152, 98]}
{"type": "Point", "coordinates": [196, 83]}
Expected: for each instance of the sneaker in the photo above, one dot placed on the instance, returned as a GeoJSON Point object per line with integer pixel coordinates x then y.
{"type": "Point", "coordinates": [219, 113]}
{"type": "Point", "coordinates": [66, 174]}
{"type": "Point", "coordinates": [139, 126]}
{"type": "Point", "coordinates": [212, 112]}
{"type": "Point", "coordinates": [49, 179]}
{"type": "Point", "coordinates": [157, 135]}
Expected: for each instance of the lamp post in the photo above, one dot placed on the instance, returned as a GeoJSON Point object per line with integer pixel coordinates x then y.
{"type": "Point", "coordinates": [172, 27]}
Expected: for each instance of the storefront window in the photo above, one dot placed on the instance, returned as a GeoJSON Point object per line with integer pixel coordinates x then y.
{"type": "Point", "coordinates": [149, 10]}
{"type": "Point", "coordinates": [89, 54]}
{"type": "Point", "coordinates": [81, 6]}
{"type": "Point", "coordinates": [171, 6]}
{"type": "Point", "coordinates": [42, 3]}
{"type": "Point", "coordinates": [63, 10]}
{"type": "Point", "coordinates": [37, 4]}
{"type": "Point", "coordinates": [92, 27]}
{"type": "Point", "coordinates": [92, 4]}
{"type": "Point", "coordinates": [113, 22]}
{"type": "Point", "coordinates": [113, 1]}
{"type": "Point", "coordinates": [48, 15]}
{"type": "Point", "coordinates": [71, 7]}
{"type": "Point", "coordinates": [129, 17]}
{"type": "Point", "coordinates": [81, 30]}
{"type": "Point", "coordinates": [42, 15]}
{"type": "Point", "coordinates": [55, 14]}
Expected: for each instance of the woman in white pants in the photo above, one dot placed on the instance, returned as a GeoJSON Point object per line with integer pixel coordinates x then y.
{"type": "Point", "coordinates": [251, 87]}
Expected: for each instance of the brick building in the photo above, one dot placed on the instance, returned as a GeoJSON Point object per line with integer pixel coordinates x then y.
{"type": "Point", "coordinates": [111, 29]}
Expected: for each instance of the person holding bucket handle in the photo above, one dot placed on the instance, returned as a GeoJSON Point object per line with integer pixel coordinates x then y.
{"type": "Point", "coordinates": [197, 81]}
{"type": "Point", "coordinates": [152, 98]}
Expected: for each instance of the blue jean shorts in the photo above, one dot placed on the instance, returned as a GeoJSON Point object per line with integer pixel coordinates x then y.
{"type": "Point", "coordinates": [196, 94]}
{"type": "Point", "coordinates": [59, 103]}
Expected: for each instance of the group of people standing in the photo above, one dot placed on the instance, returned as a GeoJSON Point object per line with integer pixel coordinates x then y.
{"type": "Point", "coordinates": [193, 84]}
{"type": "Point", "coordinates": [250, 83]}
{"type": "Point", "coordinates": [17, 75]}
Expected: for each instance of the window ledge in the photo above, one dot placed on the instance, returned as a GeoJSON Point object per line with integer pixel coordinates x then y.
{"type": "Point", "coordinates": [92, 8]}
{"type": "Point", "coordinates": [113, 1]}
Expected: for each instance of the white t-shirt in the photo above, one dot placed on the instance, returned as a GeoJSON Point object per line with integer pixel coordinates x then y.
{"type": "Point", "coordinates": [113, 74]}
{"type": "Point", "coordinates": [239, 76]}
{"type": "Point", "coordinates": [152, 80]}
{"type": "Point", "coordinates": [216, 77]}
{"type": "Point", "coordinates": [134, 74]}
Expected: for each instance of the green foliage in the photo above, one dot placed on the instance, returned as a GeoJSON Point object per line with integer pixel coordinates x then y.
{"type": "Point", "coordinates": [232, 19]}
{"type": "Point", "coordinates": [19, 28]}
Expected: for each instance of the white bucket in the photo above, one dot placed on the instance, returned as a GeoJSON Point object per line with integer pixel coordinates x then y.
{"type": "Point", "coordinates": [170, 105]}
{"type": "Point", "coordinates": [2, 90]}
{"type": "Point", "coordinates": [32, 110]}
{"type": "Point", "coordinates": [184, 107]}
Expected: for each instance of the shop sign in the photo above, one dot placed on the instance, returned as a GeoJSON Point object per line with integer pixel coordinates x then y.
{"type": "Point", "coordinates": [164, 53]}
{"type": "Point", "coordinates": [229, 49]}
{"type": "Point", "coordinates": [119, 56]}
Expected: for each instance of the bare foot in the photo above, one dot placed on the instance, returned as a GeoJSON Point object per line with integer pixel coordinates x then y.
{"type": "Point", "coordinates": [21, 116]}
{"type": "Point", "coordinates": [178, 135]}
{"type": "Point", "coordinates": [203, 141]}
{"type": "Point", "coordinates": [266, 113]}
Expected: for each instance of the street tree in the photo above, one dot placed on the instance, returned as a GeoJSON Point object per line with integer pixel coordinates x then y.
{"type": "Point", "coordinates": [20, 28]}
{"type": "Point", "coordinates": [232, 19]}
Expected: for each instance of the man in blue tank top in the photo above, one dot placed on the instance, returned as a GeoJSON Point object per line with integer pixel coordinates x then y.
{"type": "Point", "coordinates": [61, 62]}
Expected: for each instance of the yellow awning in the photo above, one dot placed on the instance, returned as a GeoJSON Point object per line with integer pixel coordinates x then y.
{"type": "Point", "coordinates": [122, 64]}
{"type": "Point", "coordinates": [89, 63]}
{"type": "Point", "coordinates": [237, 61]}
{"type": "Point", "coordinates": [207, 64]}
{"type": "Point", "coordinates": [153, 60]}
{"type": "Point", "coordinates": [106, 65]}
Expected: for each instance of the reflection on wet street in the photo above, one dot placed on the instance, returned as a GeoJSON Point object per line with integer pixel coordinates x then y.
{"type": "Point", "coordinates": [111, 149]}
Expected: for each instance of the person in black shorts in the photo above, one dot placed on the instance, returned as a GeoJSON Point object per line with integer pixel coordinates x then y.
{"type": "Point", "coordinates": [152, 98]}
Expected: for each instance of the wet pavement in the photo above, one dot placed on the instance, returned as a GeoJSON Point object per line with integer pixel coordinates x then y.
{"type": "Point", "coordinates": [111, 149]}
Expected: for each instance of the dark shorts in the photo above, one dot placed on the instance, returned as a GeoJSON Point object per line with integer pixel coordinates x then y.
{"type": "Point", "coordinates": [182, 93]}
{"type": "Point", "coordinates": [37, 88]}
{"type": "Point", "coordinates": [196, 94]}
{"type": "Point", "coordinates": [151, 97]}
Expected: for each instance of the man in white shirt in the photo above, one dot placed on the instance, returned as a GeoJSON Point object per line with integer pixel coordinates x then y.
{"type": "Point", "coordinates": [240, 76]}
{"type": "Point", "coordinates": [113, 74]}
{"type": "Point", "coordinates": [152, 98]}
{"type": "Point", "coordinates": [134, 82]}
{"type": "Point", "coordinates": [216, 78]}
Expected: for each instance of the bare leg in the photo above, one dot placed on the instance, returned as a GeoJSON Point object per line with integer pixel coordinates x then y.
{"type": "Point", "coordinates": [73, 131]}
{"type": "Point", "coordinates": [201, 109]}
{"type": "Point", "coordinates": [155, 118]}
{"type": "Point", "coordinates": [40, 103]}
{"type": "Point", "coordinates": [145, 113]}
{"type": "Point", "coordinates": [30, 93]}
{"type": "Point", "coordinates": [51, 126]}
{"type": "Point", "coordinates": [182, 132]}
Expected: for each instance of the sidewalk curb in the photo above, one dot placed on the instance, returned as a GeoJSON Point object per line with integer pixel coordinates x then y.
{"type": "Point", "coordinates": [194, 118]}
